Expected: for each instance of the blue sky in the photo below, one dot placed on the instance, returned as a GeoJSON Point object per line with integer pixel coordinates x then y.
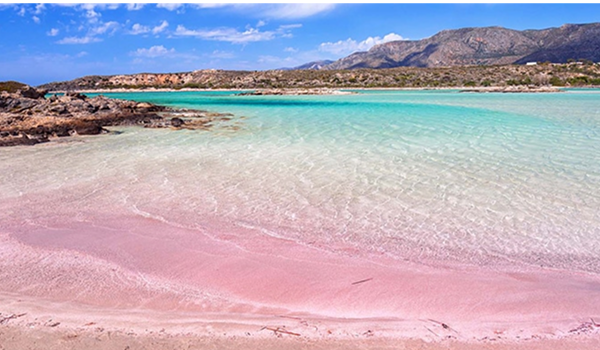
{"type": "Point", "coordinates": [51, 42]}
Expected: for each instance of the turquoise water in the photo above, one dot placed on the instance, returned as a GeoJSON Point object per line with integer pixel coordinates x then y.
{"type": "Point", "coordinates": [477, 178]}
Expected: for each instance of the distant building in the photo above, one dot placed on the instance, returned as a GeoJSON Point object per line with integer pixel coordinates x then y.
{"type": "Point", "coordinates": [531, 64]}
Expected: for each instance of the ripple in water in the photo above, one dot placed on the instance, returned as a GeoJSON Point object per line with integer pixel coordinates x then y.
{"type": "Point", "coordinates": [414, 175]}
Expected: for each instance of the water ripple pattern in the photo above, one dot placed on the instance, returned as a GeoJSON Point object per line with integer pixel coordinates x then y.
{"type": "Point", "coordinates": [476, 178]}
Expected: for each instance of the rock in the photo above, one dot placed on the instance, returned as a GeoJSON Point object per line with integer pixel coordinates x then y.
{"type": "Point", "coordinates": [29, 92]}
{"type": "Point", "coordinates": [61, 131]}
{"type": "Point", "coordinates": [177, 122]}
{"type": "Point", "coordinates": [143, 105]}
{"type": "Point", "coordinates": [76, 95]}
{"type": "Point", "coordinates": [20, 141]}
{"type": "Point", "coordinates": [88, 128]}
{"type": "Point", "coordinates": [28, 121]}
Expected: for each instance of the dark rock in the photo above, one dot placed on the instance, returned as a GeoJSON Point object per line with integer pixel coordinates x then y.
{"type": "Point", "coordinates": [33, 93]}
{"type": "Point", "coordinates": [88, 128]}
{"type": "Point", "coordinates": [61, 131]}
{"type": "Point", "coordinates": [4, 133]}
{"type": "Point", "coordinates": [177, 122]}
{"type": "Point", "coordinates": [76, 95]}
{"type": "Point", "coordinates": [20, 141]}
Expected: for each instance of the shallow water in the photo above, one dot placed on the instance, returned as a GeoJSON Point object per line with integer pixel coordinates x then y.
{"type": "Point", "coordinates": [418, 175]}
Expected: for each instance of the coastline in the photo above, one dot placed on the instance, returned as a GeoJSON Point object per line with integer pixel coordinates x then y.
{"type": "Point", "coordinates": [284, 293]}
{"type": "Point", "coordinates": [444, 88]}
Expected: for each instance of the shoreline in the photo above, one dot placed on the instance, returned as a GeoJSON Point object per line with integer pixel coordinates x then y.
{"type": "Point", "coordinates": [457, 88]}
{"type": "Point", "coordinates": [118, 280]}
{"type": "Point", "coordinates": [258, 288]}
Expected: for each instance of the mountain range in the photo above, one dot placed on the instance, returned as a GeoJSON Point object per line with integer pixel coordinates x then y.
{"type": "Point", "coordinates": [478, 46]}
{"type": "Point", "coordinates": [484, 56]}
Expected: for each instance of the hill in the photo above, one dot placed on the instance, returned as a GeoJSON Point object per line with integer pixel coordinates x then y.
{"type": "Point", "coordinates": [570, 74]}
{"type": "Point", "coordinates": [482, 46]}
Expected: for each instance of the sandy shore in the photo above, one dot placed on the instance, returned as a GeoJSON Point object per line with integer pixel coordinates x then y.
{"type": "Point", "coordinates": [117, 281]}
{"type": "Point", "coordinates": [17, 337]}
{"type": "Point", "coordinates": [444, 88]}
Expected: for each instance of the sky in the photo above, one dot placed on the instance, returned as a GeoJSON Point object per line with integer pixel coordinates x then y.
{"type": "Point", "coordinates": [42, 43]}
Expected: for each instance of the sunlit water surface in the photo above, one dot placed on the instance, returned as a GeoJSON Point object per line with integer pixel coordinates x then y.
{"type": "Point", "coordinates": [443, 175]}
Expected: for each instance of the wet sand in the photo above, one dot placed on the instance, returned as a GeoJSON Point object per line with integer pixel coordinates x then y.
{"type": "Point", "coordinates": [129, 279]}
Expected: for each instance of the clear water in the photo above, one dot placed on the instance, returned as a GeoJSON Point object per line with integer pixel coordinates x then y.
{"type": "Point", "coordinates": [476, 178]}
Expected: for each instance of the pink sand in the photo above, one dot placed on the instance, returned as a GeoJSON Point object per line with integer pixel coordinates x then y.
{"type": "Point", "coordinates": [137, 270]}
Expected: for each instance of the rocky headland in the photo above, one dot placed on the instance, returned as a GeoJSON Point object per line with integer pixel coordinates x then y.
{"type": "Point", "coordinates": [28, 117]}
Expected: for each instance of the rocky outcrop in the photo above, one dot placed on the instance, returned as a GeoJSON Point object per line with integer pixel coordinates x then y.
{"type": "Point", "coordinates": [28, 118]}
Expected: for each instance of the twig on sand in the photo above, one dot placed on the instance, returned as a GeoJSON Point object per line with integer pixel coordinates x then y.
{"type": "Point", "coordinates": [292, 317]}
{"type": "Point", "coordinates": [10, 317]}
{"type": "Point", "coordinates": [594, 323]}
{"type": "Point", "coordinates": [362, 281]}
{"type": "Point", "coordinates": [445, 326]}
{"type": "Point", "coordinates": [279, 330]}
{"type": "Point", "coordinates": [434, 333]}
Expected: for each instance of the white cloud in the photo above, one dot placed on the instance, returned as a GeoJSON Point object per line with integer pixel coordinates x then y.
{"type": "Point", "coordinates": [92, 7]}
{"type": "Point", "coordinates": [89, 6]}
{"type": "Point", "coordinates": [233, 35]}
{"type": "Point", "coordinates": [21, 12]}
{"type": "Point", "coordinates": [290, 26]}
{"type": "Point", "coordinates": [291, 11]}
{"type": "Point", "coordinates": [81, 54]}
{"type": "Point", "coordinates": [290, 49]}
{"type": "Point", "coordinates": [36, 19]}
{"type": "Point", "coordinates": [169, 6]}
{"type": "Point", "coordinates": [348, 46]}
{"type": "Point", "coordinates": [141, 29]}
{"type": "Point", "coordinates": [135, 7]}
{"type": "Point", "coordinates": [110, 27]}
{"type": "Point", "coordinates": [53, 32]}
{"type": "Point", "coordinates": [154, 51]}
{"type": "Point", "coordinates": [39, 8]}
{"type": "Point", "coordinates": [79, 40]}
{"type": "Point", "coordinates": [208, 5]}
{"type": "Point", "coordinates": [66, 4]}
{"type": "Point", "coordinates": [160, 28]}
{"type": "Point", "coordinates": [138, 29]}
{"type": "Point", "coordinates": [91, 10]}
{"type": "Point", "coordinates": [260, 24]}
{"type": "Point", "coordinates": [227, 34]}
{"type": "Point", "coordinates": [222, 54]}
{"type": "Point", "coordinates": [272, 10]}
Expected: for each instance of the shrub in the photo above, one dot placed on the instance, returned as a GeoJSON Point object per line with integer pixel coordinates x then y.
{"type": "Point", "coordinates": [11, 86]}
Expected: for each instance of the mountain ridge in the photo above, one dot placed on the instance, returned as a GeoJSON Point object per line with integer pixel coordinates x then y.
{"type": "Point", "coordinates": [481, 46]}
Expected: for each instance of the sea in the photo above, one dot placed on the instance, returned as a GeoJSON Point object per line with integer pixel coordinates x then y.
{"type": "Point", "coordinates": [438, 176]}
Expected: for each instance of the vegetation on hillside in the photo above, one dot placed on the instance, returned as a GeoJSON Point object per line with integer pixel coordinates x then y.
{"type": "Point", "coordinates": [541, 74]}
{"type": "Point", "coordinates": [11, 86]}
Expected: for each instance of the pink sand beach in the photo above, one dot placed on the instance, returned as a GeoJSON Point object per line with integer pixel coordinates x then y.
{"type": "Point", "coordinates": [266, 238]}
{"type": "Point", "coordinates": [140, 275]}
